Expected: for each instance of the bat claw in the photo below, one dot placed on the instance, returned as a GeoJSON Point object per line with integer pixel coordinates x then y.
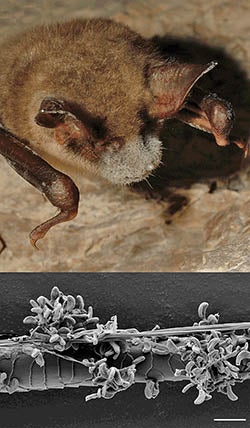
{"type": "Point", "coordinates": [246, 150]}
{"type": "Point", "coordinates": [40, 231]}
{"type": "Point", "coordinates": [243, 145]}
{"type": "Point", "coordinates": [35, 235]}
{"type": "Point", "coordinates": [33, 242]}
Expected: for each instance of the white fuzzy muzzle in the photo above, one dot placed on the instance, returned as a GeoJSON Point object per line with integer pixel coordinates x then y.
{"type": "Point", "coordinates": [132, 162]}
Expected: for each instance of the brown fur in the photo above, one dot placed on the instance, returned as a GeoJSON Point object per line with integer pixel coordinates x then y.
{"type": "Point", "coordinates": [113, 79]}
{"type": "Point", "coordinates": [96, 63]}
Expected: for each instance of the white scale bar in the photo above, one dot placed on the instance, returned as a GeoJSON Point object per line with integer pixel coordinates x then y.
{"type": "Point", "coordinates": [229, 420]}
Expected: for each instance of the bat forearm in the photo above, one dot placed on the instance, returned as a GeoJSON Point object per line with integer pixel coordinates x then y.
{"type": "Point", "coordinates": [58, 187]}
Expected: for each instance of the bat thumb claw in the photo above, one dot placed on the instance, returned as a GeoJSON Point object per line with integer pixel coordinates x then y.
{"type": "Point", "coordinates": [243, 144]}
{"type": "Point", "coordinates": [246, 150]}
{"type": "Point", "coordinates": [33, 242]}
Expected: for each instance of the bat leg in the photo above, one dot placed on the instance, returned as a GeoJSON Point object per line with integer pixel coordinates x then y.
{"type": "Point", "coordinates": [211, 114]}
{"type": "Point", "coordinates": [59, 189]}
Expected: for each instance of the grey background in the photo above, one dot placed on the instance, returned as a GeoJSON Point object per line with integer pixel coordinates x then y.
{"type": "Point", "coordinates": [140, 301]}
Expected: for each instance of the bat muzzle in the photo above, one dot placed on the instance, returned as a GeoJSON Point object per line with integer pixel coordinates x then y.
{"type": "Point", "coordinates": [133, 162]}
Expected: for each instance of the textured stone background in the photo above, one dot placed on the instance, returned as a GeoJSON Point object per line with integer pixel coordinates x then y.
{"type": "Point", "coordinates": [117, 230]}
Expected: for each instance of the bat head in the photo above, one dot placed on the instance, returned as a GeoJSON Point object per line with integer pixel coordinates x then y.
{"type": "Point", "coordinates": [109, 98]}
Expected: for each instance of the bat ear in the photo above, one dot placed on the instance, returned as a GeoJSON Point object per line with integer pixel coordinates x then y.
{"type": "Point", "coordinates": [57, 114]}
{"type": "Point", "coordinates": [171, 83]}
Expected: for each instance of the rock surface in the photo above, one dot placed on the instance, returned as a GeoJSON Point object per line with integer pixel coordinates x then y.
{"type": "Point", "coordinates": [117, 230]}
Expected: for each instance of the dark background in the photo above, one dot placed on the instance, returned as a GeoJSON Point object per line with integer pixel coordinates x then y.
{"type": "Point", "coordinates": [141, 301]}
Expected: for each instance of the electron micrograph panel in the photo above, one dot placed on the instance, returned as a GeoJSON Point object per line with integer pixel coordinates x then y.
{"type": "Point", "coordinates": [139, 301]}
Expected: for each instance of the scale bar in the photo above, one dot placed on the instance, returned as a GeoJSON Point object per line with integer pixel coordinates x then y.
{"type": "Point", "coordinates": [229, 420]}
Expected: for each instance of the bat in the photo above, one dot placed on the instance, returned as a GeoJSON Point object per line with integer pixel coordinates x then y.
{"type": "Point", "coordinates": [69, 347]}
{"type": "Point", "coordinates": [93, 95]}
